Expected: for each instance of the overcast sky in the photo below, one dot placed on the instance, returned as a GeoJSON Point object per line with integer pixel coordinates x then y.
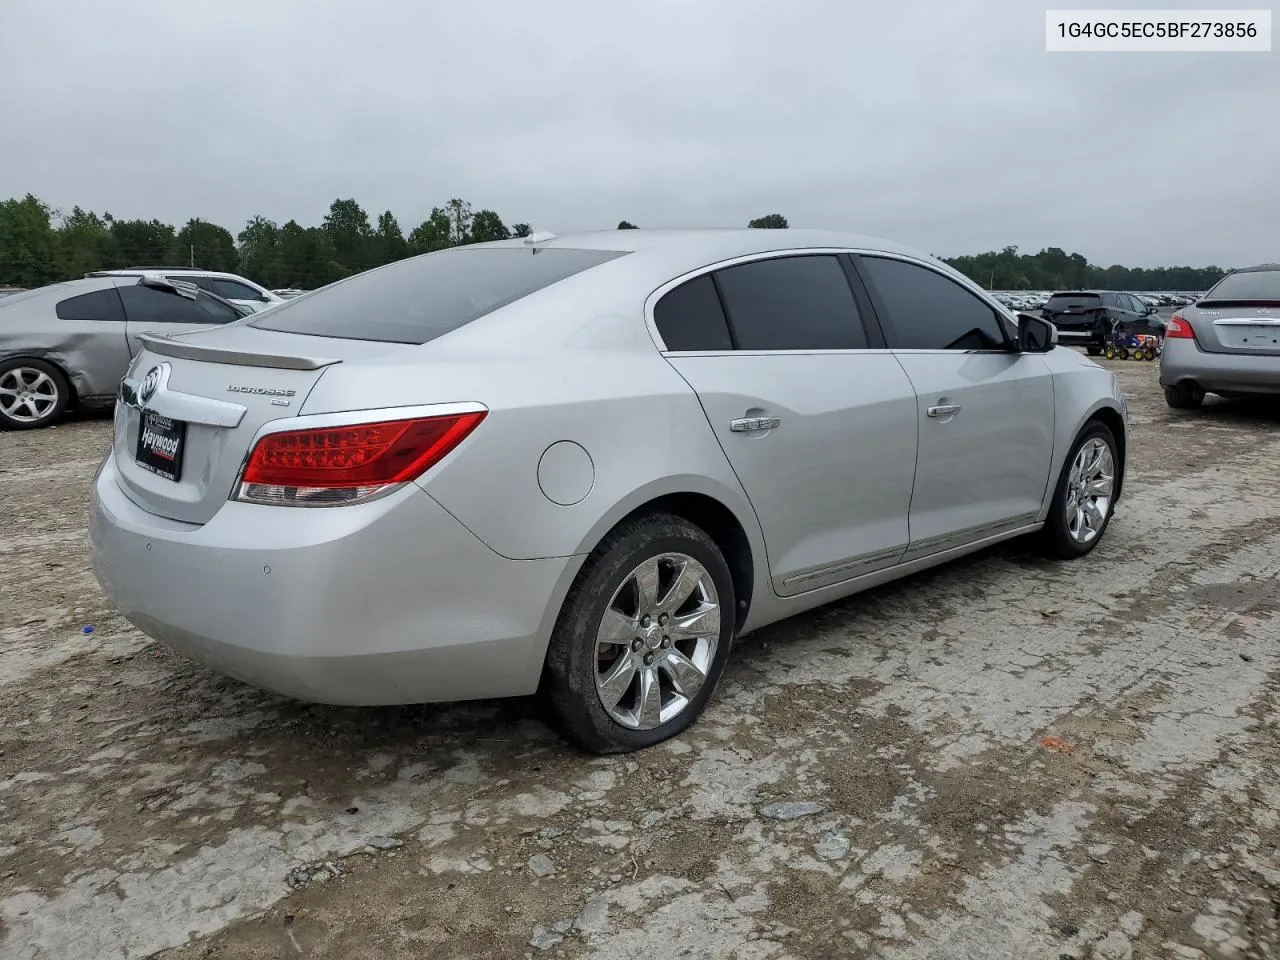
{"type": "Point", "coordinates": [940, 123]}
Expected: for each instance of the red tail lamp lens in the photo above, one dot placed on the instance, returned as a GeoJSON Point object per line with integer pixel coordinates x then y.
{"type": "Point", "coordinates": [359, 455]}
{"type": "Point", "coordinates": [1178, 329]}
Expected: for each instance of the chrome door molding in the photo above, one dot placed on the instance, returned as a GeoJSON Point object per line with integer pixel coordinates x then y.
{"type": "Point", "coordinates": [845, 570]}
{"type": "Point", "coordinates": [960, 538]}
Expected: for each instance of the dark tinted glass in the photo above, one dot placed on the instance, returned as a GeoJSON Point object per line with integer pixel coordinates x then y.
{"type": "Point", "coordinates": [690, 318]}
{"type": "Point", "coordinates": [99, 305]}
{"type": "Point", "coordinates": [232, 290]}
{"type": "Point", "coordinates": [927, 311]}
{"type": "Point", "coordinates": [151, 305]}
{"type": "Point", "coordinates": [419, 299]}
{"type": "Point", "coordinates": [1251, 285]}
{"type": "Point", "coordinates": [1061, 301]}
{"type": "Point", "coordinates": [792, 303]}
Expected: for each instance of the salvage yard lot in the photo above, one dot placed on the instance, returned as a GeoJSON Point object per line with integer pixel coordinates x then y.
{"type": "Point", "coordinates": [1004, 757]}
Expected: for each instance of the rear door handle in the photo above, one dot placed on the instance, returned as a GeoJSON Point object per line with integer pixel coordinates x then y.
{"type": "Point", "coordinates": [944, 410]}
{"type": "Point", "coordinates": [752, 424]}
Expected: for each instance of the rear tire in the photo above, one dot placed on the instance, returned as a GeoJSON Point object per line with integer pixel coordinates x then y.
{"type": "Point", "coordinates": [627, 592]}
{"type": "Point", "coordinates": [33, 394]}
{"type": "Point", "coordinates": [1078, 485]}
{"type": "Point", "coordinates": [1184, 396]}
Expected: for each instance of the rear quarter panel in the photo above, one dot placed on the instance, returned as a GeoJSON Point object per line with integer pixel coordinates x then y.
{"type": "Point", "coordinates": [94, 354]}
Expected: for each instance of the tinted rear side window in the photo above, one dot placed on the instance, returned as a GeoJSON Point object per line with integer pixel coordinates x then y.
{"type": "Point", "coordinates": [232, 290]}
{"type": "Point", "coordinates": [99, 305]}
{"type": "Point", "coordinates": [690, 317]}
{"type": "Point", "coordinates": [149, 305]}
{"type": "Point", "coordinates": [419, 299]}
{"type": "Point", "coordinates": [792, 303]}
{"type": "Point", "coordinates": [1061, 301]}
{"type": "Point", "coordinates": [928, 311]}
{"type": "Point", "coordinates": [1250, 285]}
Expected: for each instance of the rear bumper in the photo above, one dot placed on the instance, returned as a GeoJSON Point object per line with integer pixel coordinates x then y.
{"type": "Point", "coordinates": [1182, 361]}
{"type": "Point", "coordinates": [387, 602]}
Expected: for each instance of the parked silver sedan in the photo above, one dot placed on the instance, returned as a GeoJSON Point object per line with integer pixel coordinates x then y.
{"type": "Point", "coordinates": [1226, 343]}
{"type": "Point", "coordinates": [584, 465]}
{"type": "Point", "coordinates": [68, 344]}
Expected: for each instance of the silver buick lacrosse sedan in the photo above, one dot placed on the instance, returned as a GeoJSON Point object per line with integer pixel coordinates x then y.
{"type": "Point", "coordinates": [581, 466]}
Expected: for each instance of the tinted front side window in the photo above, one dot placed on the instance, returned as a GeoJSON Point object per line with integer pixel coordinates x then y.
{"type": "Point", "coordinates": [99, 305]}
{"type": "Point", "coordinates": [792, 303]}
{"type": "Point", "coordinates": [419, 299]}
{"type": "Point", "coordinates": [1251, 285]}
{"type": "Point", "coordinates": [690, 317]}
{"type": "Point", "coordinates": [231, 290]}
{"type": "Point", "coordinates": [927, 311]}
{"type": "Point", "coordinates": [150, 305]}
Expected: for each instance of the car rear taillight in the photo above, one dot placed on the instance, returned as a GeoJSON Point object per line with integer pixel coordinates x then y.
{"type": "Point", "coordinates": [1178, 329]}
{"type": "Point", "coordinates": [329, 466]}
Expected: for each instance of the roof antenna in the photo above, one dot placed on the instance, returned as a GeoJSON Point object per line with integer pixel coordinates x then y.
{"type": "Point", "coordinates": [537, 236]}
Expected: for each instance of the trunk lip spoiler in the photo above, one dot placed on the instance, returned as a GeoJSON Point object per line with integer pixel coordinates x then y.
{"type": "Point", "coordinates": [168, 347]}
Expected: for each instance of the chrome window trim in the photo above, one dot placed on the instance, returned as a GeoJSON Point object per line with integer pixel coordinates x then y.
{"type": "Point", "coordinates": [657, 294]}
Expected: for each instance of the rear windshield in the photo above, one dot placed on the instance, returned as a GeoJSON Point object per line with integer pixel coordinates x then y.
{"type": "Point", "coordinates": [1060, 301]}
{"type": "Point", "coordinates": [1249, 285]}
{"type": "Point", "coordinates": [419, 299]}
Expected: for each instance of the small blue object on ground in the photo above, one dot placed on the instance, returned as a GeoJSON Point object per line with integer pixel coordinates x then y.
{"type": "Point", "coordinates": [88, 629]}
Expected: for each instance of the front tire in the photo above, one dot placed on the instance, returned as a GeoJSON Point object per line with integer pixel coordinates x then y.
{"type": "Point", "coordinates": [642, 638]}
{"type": "Point", "coordinates": [1184, 396]}
{"type": "Point", "coordinates": [33, 394]}
{"type": "Point", "coordinates": [1084, 499]}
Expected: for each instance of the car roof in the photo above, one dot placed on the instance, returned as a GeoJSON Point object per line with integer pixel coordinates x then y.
{"type": "Point", "coordinates": [1258, 268]}
{"type": "Point", "coordinates": [167, 271]}
{"type": "Point", "coordinates": [715, 243]}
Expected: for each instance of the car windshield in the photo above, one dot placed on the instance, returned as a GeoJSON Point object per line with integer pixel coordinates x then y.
{"type": "Point", "coordinates": [1248, 285]}
{"type": "Point", "coordinates": [422, 298]}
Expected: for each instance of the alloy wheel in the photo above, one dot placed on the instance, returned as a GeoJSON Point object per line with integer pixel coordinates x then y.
{"type": "Point", "coordinates": [656, 641]}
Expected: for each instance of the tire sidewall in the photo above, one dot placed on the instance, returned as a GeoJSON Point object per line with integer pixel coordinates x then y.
{"type": "Point", "coordinates": [1065, 544]}
{"type": "Point", "coordinates": [59, 407]}
{"type": "Point", "coordinates": [576, 632]}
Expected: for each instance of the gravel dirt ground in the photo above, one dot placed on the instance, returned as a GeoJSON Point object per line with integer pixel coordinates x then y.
{"type": "Point", "coordinates": [1001, 758]}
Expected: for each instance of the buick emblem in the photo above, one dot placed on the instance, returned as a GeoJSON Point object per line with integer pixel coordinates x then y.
{"type": "Point", "coordinates": [1264, 311]}
{"type": "Point", "coordinates": [150, 384]}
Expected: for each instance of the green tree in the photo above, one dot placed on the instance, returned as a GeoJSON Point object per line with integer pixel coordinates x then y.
{"type": "Point", "coordinates": [487, 225]}
{"type": "Point", "coordinates": [143, 243]}
{"type": "Point", "coordinates": [773, 221]}
{"type": "Point", "coordinates": [206, 245]}
{"type": "Point", "coordinates": [389, 244]}
{"type": "Point", "coordinates": [521, 230]}
{"type": "Point", "coordinates": [85, 244]}
{"type": "Point", "coordinates": [459, 221]}
{"type": "Point", "coordinates": [307, 256]}
{"type": "Point", "coordinates": [260, 252]}
{"type": "Point", "coordinates": [626, 225]}
{"type": "Point", "coordinates": [28, 246]}
{"type": "Point", "coordinates": [432, 234]}
{"type": "Point", "coordinates": [347, 227]}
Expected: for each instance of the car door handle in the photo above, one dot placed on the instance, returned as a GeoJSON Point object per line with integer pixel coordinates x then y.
{"type": "Point", "coordinates": [752, 424]}
{"type": "Point", "coordinates": [944, 410]}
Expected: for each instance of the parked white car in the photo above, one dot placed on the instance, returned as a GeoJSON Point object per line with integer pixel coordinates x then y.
{"type": "Point", "coordinates": [228, 286]}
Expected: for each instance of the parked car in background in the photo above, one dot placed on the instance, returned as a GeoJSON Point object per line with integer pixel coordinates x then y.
{"type": "Point", "coordinates": [228, 286]}
{"type": "Point", "coordinates": [68, 344]}
{"type": "Point", "coordinates": [1087, 318]}
{"type": "Point", "coordinates": [1227, 343]}
{"type": "Point", "coordinates": [584, 465]}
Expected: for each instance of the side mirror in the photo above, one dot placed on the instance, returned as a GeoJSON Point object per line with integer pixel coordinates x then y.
{"type": "Point", "coordinates": [1151, 310]}
{"type": "Point", "coordinates": [1036, 334]}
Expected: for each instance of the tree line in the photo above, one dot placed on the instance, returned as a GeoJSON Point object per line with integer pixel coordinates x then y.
{"type": "Point", "coordinates": [40, 244]}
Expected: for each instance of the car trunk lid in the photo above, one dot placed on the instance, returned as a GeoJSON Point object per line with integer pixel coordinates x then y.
{"type": "Point", "coordinates": [192, 404]}
{"type": "Point", "coordinates": [1236, 326]}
